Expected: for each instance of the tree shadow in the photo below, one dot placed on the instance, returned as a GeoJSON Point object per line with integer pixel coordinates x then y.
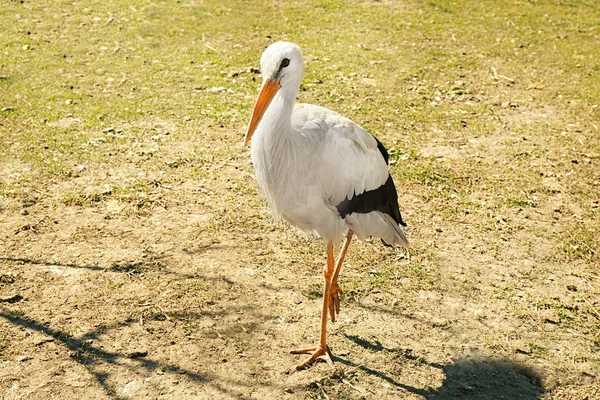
{"type": "Point", "coordinates": [125, 267]}
{"type": "Point", "coordinates": [377, 346]}
{"type": "Point", "coordinates": [381, 375]}
{"type": "Point", "coordinates": [136, 268]}
{"type": "Point", "coordinates": [385, 310]}
{"type": "Point", "coordinates": [93, 357]}
{"type": "Point", "coordinates": [18, 260]}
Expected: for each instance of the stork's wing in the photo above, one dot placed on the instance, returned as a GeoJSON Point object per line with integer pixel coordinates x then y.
{"type": "Point", "coordinates": [347, 160]}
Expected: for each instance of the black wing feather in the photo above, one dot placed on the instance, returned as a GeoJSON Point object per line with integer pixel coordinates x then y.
{"type": "Point", "coordinates": [383, 151]}
{"type": "Point", "coordinates": [383, 199]}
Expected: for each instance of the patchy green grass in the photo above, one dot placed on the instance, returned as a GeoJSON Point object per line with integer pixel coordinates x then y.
{"type": "Point", "coordinates": [120, 144]}
{"type": "Point", "coordinates": [582, 242]}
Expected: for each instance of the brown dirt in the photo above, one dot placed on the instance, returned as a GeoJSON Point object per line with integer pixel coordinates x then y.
{"type": "Point", "coordinates": [138, 259]}
{"type": "Point", "coordinates": [187, 288]}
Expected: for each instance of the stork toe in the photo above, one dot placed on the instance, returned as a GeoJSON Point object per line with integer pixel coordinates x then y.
{"type": "Point", "coordinates": [334, 300]}
{"type": "Point", "coordinates": [316, 353]}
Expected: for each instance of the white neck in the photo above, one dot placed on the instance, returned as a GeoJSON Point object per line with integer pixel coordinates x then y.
{"type": "Point", "coordinates": [276, 124]}
{"type": "Point", "coordinates": [272, 146]}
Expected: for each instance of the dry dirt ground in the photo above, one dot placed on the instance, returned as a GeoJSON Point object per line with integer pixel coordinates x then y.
{"type": "Point", "coordinates": [191, 290]}
{"type": "Point", "coordinates": [138, 259]}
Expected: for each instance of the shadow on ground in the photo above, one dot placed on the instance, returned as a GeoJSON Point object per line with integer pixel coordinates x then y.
{"type": "Point", "coordinates": [468, 378]}
{"type": "Point", "coordinates": [482, 378]}
{"type": "Point", "coordinates": [94, 358]}
{"type": "Point", "coordinates": [127, 267]}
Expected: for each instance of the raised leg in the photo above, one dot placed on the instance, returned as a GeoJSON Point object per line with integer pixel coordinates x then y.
{"type": "Point", "coordinates": [336, 290]}
{"type": "Point", "coordinates": [321, 351]}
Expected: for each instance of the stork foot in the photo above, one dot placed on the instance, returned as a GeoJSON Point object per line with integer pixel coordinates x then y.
{"type": "Point", "coordinates": [333, 303]}
{"type": "Point", "coordinates": [319, 352]}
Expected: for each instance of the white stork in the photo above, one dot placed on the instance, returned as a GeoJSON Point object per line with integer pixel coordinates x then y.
{"type": "Point", "coordinates": [320, 172]}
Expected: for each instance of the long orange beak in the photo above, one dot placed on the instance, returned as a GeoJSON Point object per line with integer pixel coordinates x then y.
{"type": "Point", "coordinates": [268, 91]}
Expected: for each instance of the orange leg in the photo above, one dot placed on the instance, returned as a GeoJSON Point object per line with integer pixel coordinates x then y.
{"type": "Point", "coordinates": [336, 290]}
{"type": "Point", "coordinates": [321, 351]}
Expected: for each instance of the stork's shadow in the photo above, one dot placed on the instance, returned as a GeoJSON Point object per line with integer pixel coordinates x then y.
{"type": "Point", "coordinates": [482, 378]}
{"type": "Point", "coordinates": [466, 378]}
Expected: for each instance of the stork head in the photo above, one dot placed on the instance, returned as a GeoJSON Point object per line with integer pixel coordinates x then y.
{"type": "Point", "coordinates": [282, 66]}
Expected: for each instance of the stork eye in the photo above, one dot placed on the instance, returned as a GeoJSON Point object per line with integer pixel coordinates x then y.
{"type": "Point", "coordinates": [285, 62]}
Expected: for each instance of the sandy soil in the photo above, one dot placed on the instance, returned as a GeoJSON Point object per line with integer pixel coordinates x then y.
{"type": "Point", "coordinates": [189, 289]}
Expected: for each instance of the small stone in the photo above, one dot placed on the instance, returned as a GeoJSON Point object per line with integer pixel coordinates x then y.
{"type": "Point", "coordinates": [130, 388]}
{"type": "Point", "coordinates": [466, 387]}
{"type": "Point", "coordinates": [41, 341]}
{"type": "Point", "coordinates": [11, 299]}
{"type": "Point", "coordinates": [22, 358]}
{"type": "Point", "coordinates": [439, 322]}
{"type": "Point", "coordinates": [137, 354]}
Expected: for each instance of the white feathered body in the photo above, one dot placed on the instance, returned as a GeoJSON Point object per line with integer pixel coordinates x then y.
{"type": "Point", "coordinates": [308, 159]}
